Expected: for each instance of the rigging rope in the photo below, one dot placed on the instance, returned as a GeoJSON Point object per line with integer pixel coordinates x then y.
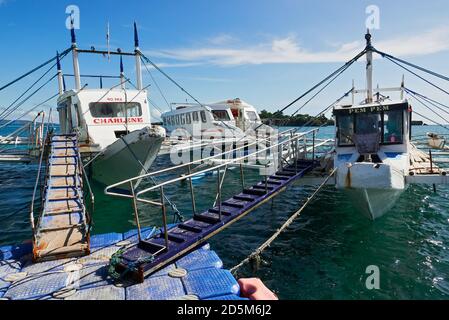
{"type": "Point", "coordinates": [255, 254]}
{"type": "Point", "coordinates": [425, 105]}
{"type": "Point", "coordinates": [383, 54]}
{"type": "Point", "coordinates": [65, 52]}
{"type": "Point", "coordinates": [438, 124]}
{"type": "Point", "coordinates": [157, 85]}
{"type": "Point", "coordinates": [169, 78]}
{"type": "Point", "coordinates": [28, 97]}
{"type": "Point", "coordinates": [343, 67]}
{"type": "Point", "coordinates": [417, 75]}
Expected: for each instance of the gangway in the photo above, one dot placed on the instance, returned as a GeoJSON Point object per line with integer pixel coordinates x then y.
{"type": "Point", "coordinates": [63, 227]}
{"type": "Point", "coordinates": [149, 255]}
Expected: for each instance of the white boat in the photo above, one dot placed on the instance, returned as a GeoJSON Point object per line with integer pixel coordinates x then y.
{"type": "Point", "coordinates": [373, 147]}
{"type": "Point", "coordinates": [436, 141]}
{"type": "Point", "coordinates": [201, 122]}
{"type": "Point", "coordinates": [113, 125]}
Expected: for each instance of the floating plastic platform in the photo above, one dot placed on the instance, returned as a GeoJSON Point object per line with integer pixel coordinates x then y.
{"type": "Point", "coordinates": [197, 275]}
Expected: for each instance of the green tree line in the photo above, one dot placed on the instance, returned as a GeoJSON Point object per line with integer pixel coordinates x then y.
{"type": "Point", "coordinates": [280, 119]}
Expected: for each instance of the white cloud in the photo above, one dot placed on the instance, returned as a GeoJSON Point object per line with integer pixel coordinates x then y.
{"type": "Point", "coordinates": [289, 50]}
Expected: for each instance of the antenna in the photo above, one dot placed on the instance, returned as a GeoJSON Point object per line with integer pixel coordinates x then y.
{"type": "Point", "coordinates": [76, 67]}
{"type": "Point", "coordinates": [138, 62]}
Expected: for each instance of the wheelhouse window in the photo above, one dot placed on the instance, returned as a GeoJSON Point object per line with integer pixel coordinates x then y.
{"type": "Point", "coordinates": [393, 127]}
{"type": "Point", "coordinates": [188, 118]}
{"type": "Point", "coordinates": [195, 116]}
{"type": "Point", "coordinates": [345, 130]}
{"type": "Point", "coordinates": [221, 115]}
{"type": "Point", "coordinates": [115, 109]}
{"type": "Point", "coordinates": [183, 120]}
{"type": "Point", "coordinates": [389, 125]}
{"type": "Point", "coordinates": [203, 116]}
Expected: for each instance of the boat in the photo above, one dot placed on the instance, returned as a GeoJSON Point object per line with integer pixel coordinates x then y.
{"type": "Point", "coordinates": [117, 139]}
{"type": "Point", "coordinates": [436, 141]}
{"type": "Point", "coordinates": [200, 122]}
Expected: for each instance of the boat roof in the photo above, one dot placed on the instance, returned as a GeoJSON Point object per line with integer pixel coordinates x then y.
{"type": "Point", "coordinates": [374, 107]}
{"type": "Point", "coordinates": [105, 93]}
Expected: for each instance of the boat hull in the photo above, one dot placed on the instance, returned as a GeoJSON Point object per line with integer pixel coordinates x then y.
{"type": "Point", "coordinates": [373, 203]}
{"type": "Point", "coordinates": [128, 157]}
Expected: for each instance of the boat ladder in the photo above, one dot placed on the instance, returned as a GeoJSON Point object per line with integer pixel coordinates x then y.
{"type": "Point", "coordinates": [63, 227]}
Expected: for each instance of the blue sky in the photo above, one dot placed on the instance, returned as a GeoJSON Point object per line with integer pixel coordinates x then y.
{"type": "Point", "coordinates": [265, 52]}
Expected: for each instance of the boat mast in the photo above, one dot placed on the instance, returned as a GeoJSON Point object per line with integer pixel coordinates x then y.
{"type": "Point", "coordinates": [122, 74]}
{"type": "Point", "coordinates": [369, 68]}
{"type": "Point", "coordinates": [76, 67]}
{"type": "Point", "coordinates": [138, 63]}
{"type": "Point", "coordinates": [60, 79]}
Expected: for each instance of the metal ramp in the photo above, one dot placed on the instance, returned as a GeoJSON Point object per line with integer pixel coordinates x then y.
{"type": "Point", "coordinates": [62, 229]}
{"type": "Point", "coordinates": [150, 255]}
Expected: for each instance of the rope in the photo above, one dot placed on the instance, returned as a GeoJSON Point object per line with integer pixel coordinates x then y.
{"type": "Point", "coordinates": [169, 78]}
{"type": "Point", "coordinates": [383, 54]}
{"type": "Point", "coordinates": [172, 205]}
{"type": "Point", "coordinates": [417, 75]}
{"type": "Point", "coordinates": [157, 85]}
{"type": "Point", "coordinates": [35, 69]}
{"type": "Point", "coordinates": [255, 254]}
{"type": "Point", "coordinates": [29, 96]}
{"type": "Point", "coordinates": [425, 105]}
{"type": "Point", "coordinates": [345, 66]}
{"type": "Point", "coordinates": [26, 113]}
{"type": "Point", "coordinates": [438, 124]}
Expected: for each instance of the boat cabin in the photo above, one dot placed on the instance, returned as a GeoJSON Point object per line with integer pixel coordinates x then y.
{"type": "Point", "coordinates": [372, 132]}
{"type": "Point", "coordinates": [196, 121]}
{"type": "Point", "coordinates": [101, 116]}
{"type": "Point", "coordinates": [245, 115]}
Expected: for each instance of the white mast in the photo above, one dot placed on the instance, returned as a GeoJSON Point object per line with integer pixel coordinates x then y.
{"type": "Point", "coordinates": [369, 68]}
{"type": "Point", "coordinates": [138, 63]}
{"type": "Point", "coordinates": [76, 67]}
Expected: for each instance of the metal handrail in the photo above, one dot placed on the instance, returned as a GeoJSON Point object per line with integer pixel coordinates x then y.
{"type": "Point", "coordinates": [92, 197]}
{"type": "Point", "coordinates": [36, 186]}
{"type": "Point", "coordinates": [106, 190]}
{"type": "Point", "coordinates": [217, 167]}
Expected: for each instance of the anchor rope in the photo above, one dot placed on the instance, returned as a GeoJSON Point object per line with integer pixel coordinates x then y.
{"type": "Point", "coordinates": [256, 253]}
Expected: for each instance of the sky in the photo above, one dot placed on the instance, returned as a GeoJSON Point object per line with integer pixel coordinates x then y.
{"type": "Point", "coordinates": [266, 52]}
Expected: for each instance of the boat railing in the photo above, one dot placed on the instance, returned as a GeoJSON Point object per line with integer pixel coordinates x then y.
{"type": "Point", "coordinates": [271, 155]}
{"type": "Point", "coordinates": [40, 180]}
{"type": "Point", "coordinates": [87, 213]}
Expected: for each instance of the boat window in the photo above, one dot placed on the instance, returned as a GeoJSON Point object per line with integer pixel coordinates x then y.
{"type": "Point", "coordinates": [345, 130]}
{"type": "Point", "coordinates": [195, 116]}
{"type": "Point", "coordinates": [183, 119]}
{"type": "Point", "coordinates": [393, 128]}
{"type": "Point", "coordinates": [188, 119]}
{"type": "Point", "coordinates": [203, 116]}
{"type": "Point", "coordinates": [115, 109]}
{"type": "Point", "coordinates": [221, 115]}
{"type": "Point", "coordinates": [367, 123]}
{"type": "Point", "coordinates": [177, 119]}
{"type": "Point", "coordinates": [252, 115]}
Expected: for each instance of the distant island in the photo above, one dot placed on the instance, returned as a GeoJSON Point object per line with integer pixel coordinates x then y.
{"type": "Point", "coordinates": [280, 119]}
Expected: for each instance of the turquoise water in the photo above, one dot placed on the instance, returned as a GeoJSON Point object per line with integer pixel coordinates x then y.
{"type": "Point", "coordinates": [323, 255]}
